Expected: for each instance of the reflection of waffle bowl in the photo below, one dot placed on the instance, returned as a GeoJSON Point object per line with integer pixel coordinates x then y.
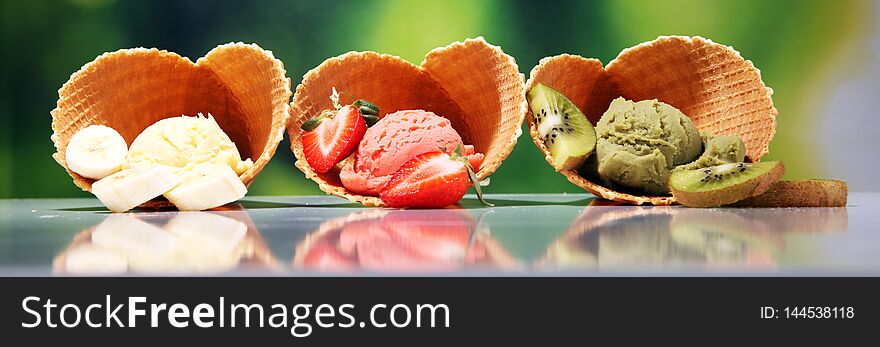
{"type": "Point", "coordinates": [570, 250]}
{"type": "Point", "coordinates": [710, 83]}
{"type": "Point", "coordinates": [401, 241]}
{"type": "Point", "coordinates": [727, 239]}
{"type": "Point", "coordinates": [636, 237]}
{"type": "Point", "coordinates": [243, 86]}
{"type": "Point", "coordinates": [190, 242]}
{"type": "Point", "coordinates": [472, 83]}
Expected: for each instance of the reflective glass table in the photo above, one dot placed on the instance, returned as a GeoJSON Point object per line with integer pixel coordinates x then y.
{"type": "Point", "coordinates": [523, 235]}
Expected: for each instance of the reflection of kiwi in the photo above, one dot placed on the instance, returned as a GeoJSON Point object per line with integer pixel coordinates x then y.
{"type": "Point", "coordinates": [724, 184]}
{"type": "Point", "coordinates": [618, 238]}
{"type": "Point", "coordinates": [565, 130]}
{"type": "Point", "coordinates": [802, 193]}
{"type": "Point", "coordinates": [642, 241]}
{"type": "Point", "coordinates": [723, 236]}
{"type": "Point", "coordinates": [794, 220]}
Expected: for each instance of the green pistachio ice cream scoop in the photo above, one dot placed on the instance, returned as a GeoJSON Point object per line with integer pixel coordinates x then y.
{"type": "Point", "coordinates": [639, 143]}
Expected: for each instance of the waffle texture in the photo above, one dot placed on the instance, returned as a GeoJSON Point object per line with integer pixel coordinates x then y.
{"type": "Point", "coordinates": [243, 86]}
{"type": "Point", "coordinates": [709, 82]}
{"type": "Point", "coordinates": [472, 83]}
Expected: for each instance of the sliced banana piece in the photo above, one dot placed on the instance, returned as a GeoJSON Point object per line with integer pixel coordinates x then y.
{"type": "Point", "coordinates": [129, 188]}
{"type": "Point", "coordinates": [207, 186]}
{"type": "Point", "coordinates": [96, 152]}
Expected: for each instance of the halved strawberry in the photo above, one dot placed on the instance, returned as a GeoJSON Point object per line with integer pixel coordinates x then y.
{"type": "Point", "coordinates": [334, 138]}
{"type": "Point", "coordinates": [430, 180]}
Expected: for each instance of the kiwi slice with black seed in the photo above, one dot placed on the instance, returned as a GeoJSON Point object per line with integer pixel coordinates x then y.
{"type": "Point", "coordinates": [724, 184]}
{"type": "Point", "coordinates": [566, 132]}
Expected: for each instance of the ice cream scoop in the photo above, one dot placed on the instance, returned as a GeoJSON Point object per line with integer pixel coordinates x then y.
{"type": "Point", "coordinates": [639, 143]}
{"type": "Point", "coordinates": [713, 84]}
{"type": "Point", "coordinates": [717, 150]}
{"type": "Point", "coordinates": [394, 140]}
{"type": "Point", "coordinates": [184, 142]}
{"type": "Point", "coordinates": [244, 86]}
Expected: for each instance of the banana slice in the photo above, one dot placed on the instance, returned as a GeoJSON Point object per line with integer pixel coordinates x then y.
{"type": "Point", "coordinates": [207, 186]}
{"type": "Point", "coordinates": [96, 152]}
{"type": "Point", "coordinates": [129, 188]}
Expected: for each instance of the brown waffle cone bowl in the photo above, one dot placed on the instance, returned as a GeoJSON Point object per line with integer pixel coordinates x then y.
{"type": "Point", "coordinates": [711, 83]}
{"type": "Point", "coordinates": [243, 86]}
{"type": "Point", "coordinates": [472, 83]}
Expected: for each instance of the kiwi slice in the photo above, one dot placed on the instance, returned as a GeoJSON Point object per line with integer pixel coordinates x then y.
{"type": "Point", "coordinates": [800, 193]}
{"type": "Point", "coordinates": [724, 184]}
{"type": "Point", "coordinates": [565, 130]}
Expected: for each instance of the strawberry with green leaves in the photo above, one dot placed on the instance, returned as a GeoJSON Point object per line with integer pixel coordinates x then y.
{"type": "Point", "coordinates": [333, 135]}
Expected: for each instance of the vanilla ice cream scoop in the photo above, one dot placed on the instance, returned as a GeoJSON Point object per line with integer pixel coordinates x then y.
{"type": "Point", "coordinates": [184, 142]}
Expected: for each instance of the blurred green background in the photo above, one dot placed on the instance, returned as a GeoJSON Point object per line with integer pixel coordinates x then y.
{"type": "Point", "coordinates": [802, 48]}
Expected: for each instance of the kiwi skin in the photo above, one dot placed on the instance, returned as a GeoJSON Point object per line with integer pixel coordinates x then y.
{"type": "Point", "coordinates": [731, 194]}
{"type": "Point", "coordinates": [800, 193]}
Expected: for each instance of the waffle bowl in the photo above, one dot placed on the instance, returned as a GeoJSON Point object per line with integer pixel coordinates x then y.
{"type": "Point", "coordinates": [243, 86]}
{"type": "Point", "coordinates": [472, 83]}
{"type": "Point", "coordinates": [711, 83]}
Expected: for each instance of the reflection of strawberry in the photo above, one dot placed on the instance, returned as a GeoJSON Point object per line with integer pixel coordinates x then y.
{"type": "Point", "coordinates": [414, 241]}
{"type": "Point", "coordinates": [333, 138]}
{"type": "Point", "coordinates": [436, 234]}
{"type": "Point", "coordinates": [323, 256]}
{"type": "Point", "coordinates": [430, 180]}
{"type": "Point", "coordinates": [356, 232]}
{"type": "Point", "coordinates": [401, 241]}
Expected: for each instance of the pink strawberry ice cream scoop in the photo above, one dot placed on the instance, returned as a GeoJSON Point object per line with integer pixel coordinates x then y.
{"type": "Point", "coordinates": [394, 140]}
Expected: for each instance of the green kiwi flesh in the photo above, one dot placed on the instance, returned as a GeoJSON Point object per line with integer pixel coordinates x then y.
{"type": "Point", "coordinates": [566, 132]}
{"type": "Point", "coordinates": [724, 184]}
